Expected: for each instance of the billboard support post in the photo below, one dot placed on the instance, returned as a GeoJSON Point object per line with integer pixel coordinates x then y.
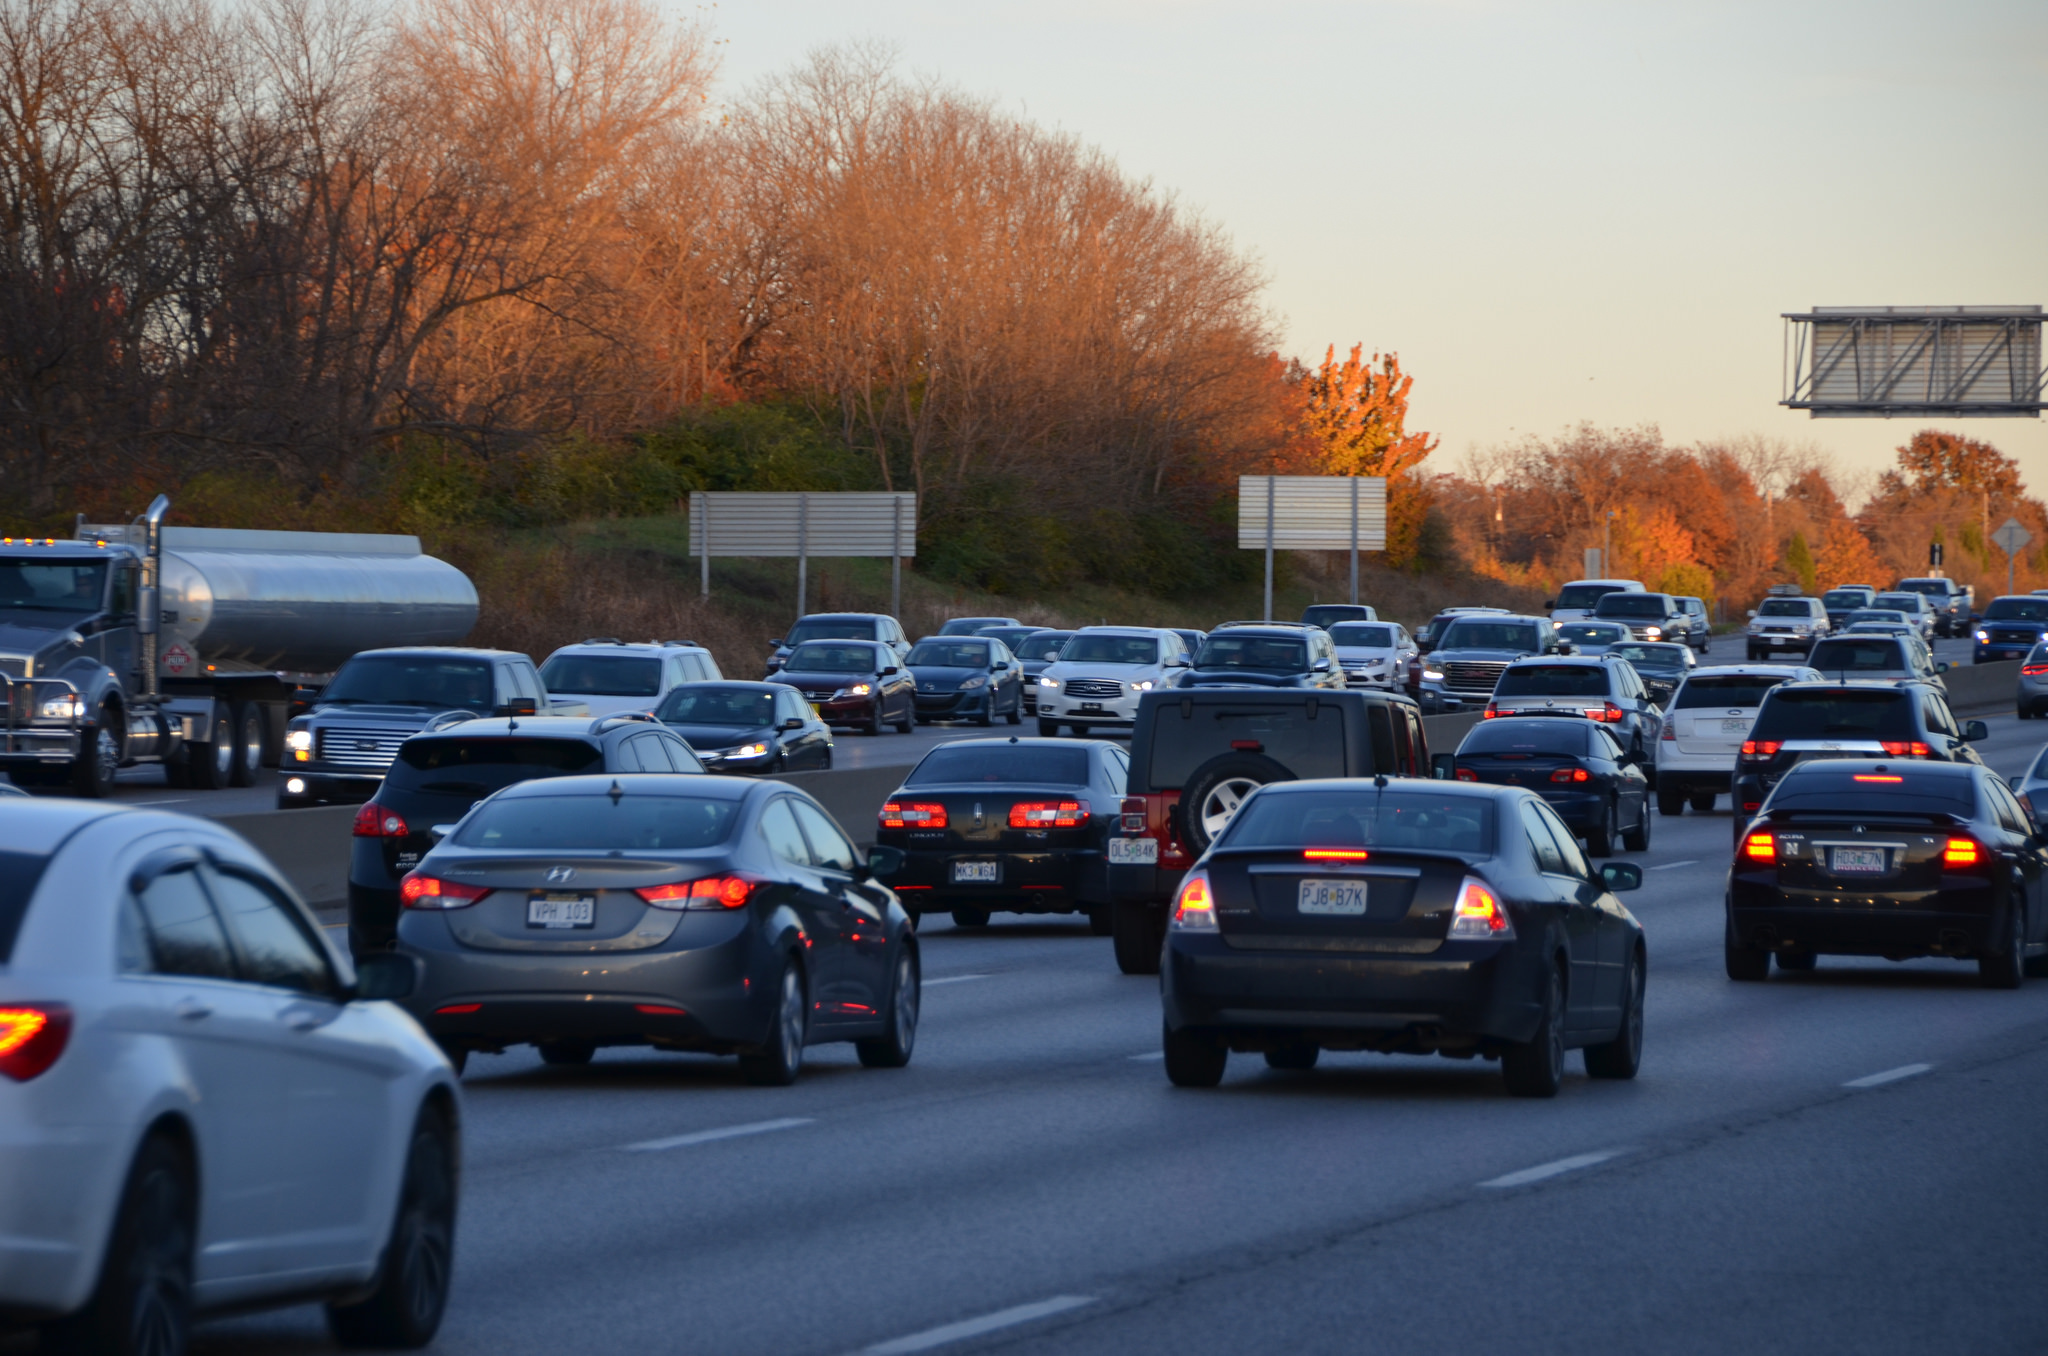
{"type": "Point", "coordinates": [802, 524]}
{"type": "Point", "coordinates": [703, 542]}
{"type": "Point", "coordinates": [896, 559]}
{"type": "Point", "coordinates": [1354, 541]}
{"type": "Point", "coordinates": [1311, 513]}
{"type": "Point", "coordinates": [1269, 548]}
{"type": "Point", "coordinates": [803, 542]}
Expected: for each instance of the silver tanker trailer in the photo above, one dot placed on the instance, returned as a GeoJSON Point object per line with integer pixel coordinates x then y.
{"type": "Point", "coordinates": [142, 643]}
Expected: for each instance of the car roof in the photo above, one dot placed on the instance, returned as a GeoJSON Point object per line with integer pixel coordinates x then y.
{"type": "Point", "coordinates": [636, 783]}
{"type": "Point", "coordinates": [1150, 632]}
{"type": "Point", "coordinates": [1855, 684]}
{"type": "Point", "coordinates": [1619, 583]}
{"type": "Point", "coordinates": [44, 824]}
{"type": "Point", "coordinates": [523, 727]}
{"type": "Point", "coordinates": [466, 651]}
{"type": "Point", "coordinates": [842, 616]}
{"type": "Point", "coordinates": [1917, 767]}
{"type": "Point", "coordinates": [1019, 742]}
{"type": "Point", "coordinates": [854, 640]}
{"type": "Point", "coordinates": [1755, 670]}
{"type": "Point", "coordinates": [1292, 630]}
{"type": "Point", "coordinates": [1502, 614]}
{"type": "Point", "coordinates": [1369, 786]}
{"type": "Point", "coordinates": [1595, 661]}
{"type": "Point", "coordinates": [606, 646]}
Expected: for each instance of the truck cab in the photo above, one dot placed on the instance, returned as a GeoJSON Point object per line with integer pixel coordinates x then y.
{"type": "Point", "coordinates": [67, 650]}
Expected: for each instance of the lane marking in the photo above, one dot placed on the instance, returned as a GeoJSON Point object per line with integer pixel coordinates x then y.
{"type": "Point", "coordinates": [952, 979]}
{"type": "Point", "coordinates": [710, 1136]}
{"type": "Point", "coordinates": [1150, 1054]}
{"type": "Point", "coordinates": [1557, 1169]}
{"type": "Point", "coordinates": [975, 1327]}
{"type": "Point", "coordinates": [1878, 1080]}
{"type": "Point", "coordinates": [1670, 866]}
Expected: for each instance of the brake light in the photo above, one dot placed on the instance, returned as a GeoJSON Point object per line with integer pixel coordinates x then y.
{"type": "Point", "coordinates": [660, 1010]}
{"type": "Point", "coordinates": [708, 892]}
{"type": "Point", "coordinates": [904, 815]}
{"type": "Point", "coordinates": [1761, 847]}
{"type": "Point", "coordinates": [1478, 913]}
{"type": "Point", "coordinates": [2034, 670]}
{"type": "Point", "coordinates": [1757, 750]}
{"type": "Point", "coordinates": [1492, 710]}
{"type": "Point", "coordinates": [1900, 748]}
{"type": "Point", "coordinates": [427, 892]}
{"type": "Point", "coordinates": [1046, 814]}
{"type": "Point", "coordinates": [1466, 774]}
{"type": "Point", "coordinates": [1571, 774]}
{"type": "Point", "coordinates": [1670, 732]}
{"type": "Point", "coordinates": [1192, 909]}
{"type": "Point", "coordinates": [1876, 777]}
{"type": "Point", "coordinates": [1334, 854]}
{"type": "Point", "coordinates": [1609, 713]}
{"type": "Point", "coordinates": [374, 821]}
{"type": "Point", "coordinates": [1133, 808]}
{"type": "Point", "coordinates": [32, 1036]}
{"type": "Point", "coordinates": [1961, 852]}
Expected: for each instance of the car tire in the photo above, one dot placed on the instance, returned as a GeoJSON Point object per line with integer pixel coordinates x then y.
{"type": "Point", "coordinates": [212, 763]}
{"type": "Point", "coordinates": [891, 1050]}
{"type": "Point", "coordinates": [1702, 801]}
{"type": "Point", "coordinates": [777, 1062]}
{"type": "Point", "coordinates": [143, 1301]}
{"type": "Point", "coordinates": [987, 715]}
{"type": "Point", "coordinates": [1535, 1067]}
{"type": "Point", "coordinates": [1215, 789]}
{"type": "Point", "coordinates": [908, 723]}
{"type": "Point", "coordinates": [1194, 1060]}
{"type": "Point", "coordinates": [1638, 838]}
{"type": "Point", "coordinates": [567, 1052]}
{"type": "Point", "coordinates": [1016, 716]}
{"type": "Point", "coordinates": [246, 719]}
{"type": "Point", "coordinates": [1622, 1056]}
{"type": "Point", "coordinates": [1797, 960]}
{"type": "Point", "coordinates": [92, 775]}
{"type": "Point", "coordinates": [411, 1292]}
{"type": "Point", "coordinates": [1048, 729]}
{"type": "Point", "coordinates": [1744, 964]}
{"type": "Point", "coordinates": [1600, 838]}
{"type": "Point", "coordinates": [177, 774]}
{"type": "Point", "coordinates": [1670, 801]}
{"type": "Point", "coordinates": [1138, 931]}
{"type": "Point", "coordinates": [1294, 1058]}
{"type": "Point", "coordinates": [970, 918]}
{"type": "Point", "coordinates": [2006, 967]}
{"type": "Point", "coordinates": [1099, 920]}
{"type": "Point", "coordinates": [2023, 712]}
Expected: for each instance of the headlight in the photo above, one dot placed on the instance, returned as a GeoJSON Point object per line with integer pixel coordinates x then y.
{"type": "Point", "coordinates": [70, 706]}
{"type": "Point", "coordinates": [978, 680]}
{"type": "Point", "coordinates": [301, 740]}
{"type": "Point", "coordinates": [1044, 681]}
{"type": "Point", "coordinates": [1143, 686]}
{"type": "Point", "coordinates": [1983, 635]}
{"type": "Point", "coordinates": [1653, 630]}
{"type": "Point", "coordinates": [749, 751]}
{"type": "Point", "coordinates": [1432, 675]}
{"type": "Point", "coordinates": [860, 690]}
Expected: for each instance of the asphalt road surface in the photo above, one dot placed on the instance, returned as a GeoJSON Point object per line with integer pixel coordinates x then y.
{"type": "Point", "coordinates": [1847, 1160]}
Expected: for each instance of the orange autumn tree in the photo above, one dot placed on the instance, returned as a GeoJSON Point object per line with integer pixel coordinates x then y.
{"type": "Point", "coordinates": [1354, 416]}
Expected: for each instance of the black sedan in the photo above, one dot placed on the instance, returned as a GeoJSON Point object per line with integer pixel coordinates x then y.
{"type": "Point", "coordinates": [748, 727]}
{"type": "Point", "coordinates": [1900, 858]}
{"type": "Point", "coordinates": [1036, 653]}
{"type": "Point", "coordinates": [1576, 765]}
{"type": "Point", "coordinates": [694, 913]}
{"type": "Point", "coordinates": [1403, 918]}
{"type": "Point", "coordinates": [856, 683]}
{"type": "Point", "coordinates": [974, 679]}
{"type": "Point", "coordinates": [1662, 665]}
{"type": "Point", "coordinates": [1013, 825]}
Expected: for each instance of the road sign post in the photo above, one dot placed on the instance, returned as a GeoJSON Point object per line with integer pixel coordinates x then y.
{"type": "Point", "coordinates": [2012, 539]}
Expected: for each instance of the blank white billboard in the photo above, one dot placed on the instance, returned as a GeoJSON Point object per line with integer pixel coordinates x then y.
{"type": "Point", "coordinates": [1312, 513]}
{"type": "Point", "coordinates": [735, 523]}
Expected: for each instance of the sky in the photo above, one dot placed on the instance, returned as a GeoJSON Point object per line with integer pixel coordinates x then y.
{"type": "Point", "coordinates": [1554, 212]}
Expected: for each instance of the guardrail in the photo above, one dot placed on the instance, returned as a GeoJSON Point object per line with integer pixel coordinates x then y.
{"type": "Point", "coordinates": [1981, 687]}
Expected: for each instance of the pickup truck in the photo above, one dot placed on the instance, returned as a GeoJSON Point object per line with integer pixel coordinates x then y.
{"type": "Point", "coordinates": [1953, 603]}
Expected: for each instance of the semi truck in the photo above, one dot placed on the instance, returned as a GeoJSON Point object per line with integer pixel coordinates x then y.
{"type": "Point", "coordinates": [142, 643]}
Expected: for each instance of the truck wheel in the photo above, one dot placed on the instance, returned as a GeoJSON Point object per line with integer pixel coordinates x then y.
{"type": "Point", "coordinates": [213, 762]}
{"type": "Point", "coordinates": [92, 775]}
{"type": "Point", "coordinates": [247, 758]}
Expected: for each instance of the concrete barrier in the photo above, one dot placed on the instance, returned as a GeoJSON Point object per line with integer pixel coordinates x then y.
{"type": "Point", "coordinates": [1982, 687]}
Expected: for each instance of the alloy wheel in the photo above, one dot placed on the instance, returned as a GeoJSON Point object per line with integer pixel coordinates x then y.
{"type": "Point", "coordinates": [1222, 802]}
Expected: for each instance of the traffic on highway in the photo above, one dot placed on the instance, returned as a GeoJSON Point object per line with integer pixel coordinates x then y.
{"type": "Point", "coordinates": [1069, 981]}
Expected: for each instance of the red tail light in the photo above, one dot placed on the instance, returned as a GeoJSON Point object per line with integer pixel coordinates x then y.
{"type": "Point", "coordinates": [374, 821]}
{"type": "Point", "coordinates": [1492, 710]}
{"type": "Point", "coordinates": [1609, 713]}
{"type": "Point", "coordinates": [909, 815]}
{"type": "Point", "coordinates": [1133, 808]}
{"type": "Point", "coordinates": [1900, 748]}
{"type": "Point", "coordinates": [1466, 774]}
{"type": "Point", "coordinates": [426, 892]}
{"type": "Point", "coordinates": [1759, 750]}
{"type": "Point", "coordinates": [1334, 854]}
{"type": "Point", "coordinates": [32, 1036]}
{"type": "Point", "coordinates": [709, 892]}
{"type": "Point", "coordinates": [1571, 774]}
{"type": "Point", "coordinates": [1192, 908]}
{"type": "Point", "coordinates": [1047, 814]}
{"type": "Point", "coordinates": [1962, 853]}
{"type": "Point", "coordinates": [1478, 913]}
{"type": "Point", "coordinates": [1670, 732]}
{"type": "Point", "coordinates": [1761, 848]}
{"type": "Point", "coordinates": [2034, 670]}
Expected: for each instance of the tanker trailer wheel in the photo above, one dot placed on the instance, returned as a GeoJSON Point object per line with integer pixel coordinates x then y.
{"type": "Point", "coordinates": [247, 758]}
{"type": "Point", "coordinates": [99, 756]}
{"type": "Point", "coordinates": [212, 764]}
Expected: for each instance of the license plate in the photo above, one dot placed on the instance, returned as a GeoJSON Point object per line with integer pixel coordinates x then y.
{"type": "Point", "coordinates": [561, 911]}
{"type": "Point", "coordinates": [1345, 897]}
{"type": "Point", "coordinates": [1091, 706]}
{"type": "Point", "coordinates": [1847, 860]}
{"type": "Point", "coordinates": [976, 873]}
{"type": "Point", "coordinates": [1134, 851]}
{"type": "Point", "coordinates": [1781, 640]}
{"type": "Point", "coordinates": [1735, 727]}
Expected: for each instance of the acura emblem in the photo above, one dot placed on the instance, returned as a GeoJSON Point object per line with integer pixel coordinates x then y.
{"type": "Point", "coordinates": [561, 875]}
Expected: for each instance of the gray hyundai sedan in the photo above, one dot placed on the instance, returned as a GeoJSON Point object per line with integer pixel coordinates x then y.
{"type": "Point", "coordinates": [714, 914]}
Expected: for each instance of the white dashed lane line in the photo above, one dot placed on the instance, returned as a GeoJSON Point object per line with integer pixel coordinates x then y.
{"type": "Point", "coordinates": [712, 1136]}
{"type": "Point", "coordinates": [1544, 1171]}
{"type": "Point", "coordinates": [1149, 1054]}
{"type": "Point", "coordinates": [1673, 866]}
{"type": "Point", "coordinates": [950, 979]}
{"type": "Point", "coordinates": [932, 1338]}
{"type": "Point", "coordinates": [1878, 1080]}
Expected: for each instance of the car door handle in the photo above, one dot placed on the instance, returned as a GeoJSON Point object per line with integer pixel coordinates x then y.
{"type": "Point", "coordinates": [191, 1009]}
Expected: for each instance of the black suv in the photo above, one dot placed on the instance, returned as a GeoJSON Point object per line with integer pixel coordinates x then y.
{"type": "Point", "coordinates": [1648, 616]}
{"type": "Point", "coordinates": [1602, 688]}
{"type": "Point", "coordinates": [439, 776]}
{"type": "Point", "coordinates": [1802, 721]}
{"type": "Point", "coordinates": [1196, 754]}
{"type": "Point", "coordinates": [1275, 654]}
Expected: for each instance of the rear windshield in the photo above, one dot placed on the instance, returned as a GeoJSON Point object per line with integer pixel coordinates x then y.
{"type": "Point", "coordinates": [2017, 609]}
{"type": "Point", "coordinates": [1264, 653]}
{"type": "Point", "coordinates": [856, 628]}
{"type": "Point", "coordinates": [952, 654]}
{"type": "Point", "coordinates": [1329, 613]}
{"type": "Point", "coordinates": [817, 658]}
{"type": "Point", "coordinates": [1364, 818]}
{"type": "Point", "coordinates": [1844, 655]}
{"type": "Point", "coordinates": [1877, 614]}
{"type": "Point", "coordinates": [1363, 635]}
{"type": "Point", "coordinates": [1844, 598]}
{"type": "Point", "coordinates": [1908, 603]}
{"type": "Point", "coordinates": [411, 680]}
{"type": "Point", "coordinates": [1939, 586]}
{"type": "Point", "coordinates": [1631, 605]}
{"type": "Point", "coordinates": [1585, 595]}
{"type": "Point", "coordinates": [1056, 767]}
{"type": "Point", "coordinates": [718, 706]}
{"type": "Point", "coordinates": [631, 823]}
{"type": "Point", "coordinates": [1592, 633]}
{"type": "Point", "coordinates": [1552, 680]}
{"type": "Point", "coordinates": [1724, 689]}
{"type": "Point", "coordinates": [602, 675]}
{"type": "Point", "coordinates": [1307, 748]}
{"type": "Point", "coordinates": [1104, 649]}
{"type": "Point", "coordinates": [1816, 786]}
{"type": "Point", "coordinates": [1785, 607]}
{"type": "Point", "coordinates": [19, 872]}
{"type": "Point", "coordinates": [1662, 658]}
{"type": "Point", "coordinates": [972, 626]}
{"type": "Point", "coordinates": [1567, 738]}
{"type": "Point", "coordinates": [1485, 635]}
{"type": "Point", "coordinates": [477, 767]}
{"type": "Point", "coordinates": [1010, 635]}
{"type": "Point", "coordinates": [1824, 713]}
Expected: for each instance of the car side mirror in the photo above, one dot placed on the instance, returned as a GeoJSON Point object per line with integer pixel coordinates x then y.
{"type": "Point", "coordinates": [1975, 731]}
{"type": "Point", "coordinates": [891, 669]}
{"type": "Point", "coordinates": [995, 668]}
{"type": "Point", "coordinates": [1179, 661]}
{"type": "Point", "coordinates": [1620, 876]}
{"type": "Point", "coordinates": [386, 976]}
{"type": "Point", "coordinates": [1322, 666]}
{"type": "Point", "coordinates": [793, 723]}
{"type": "Point", "coordinates": [518, 706]}
{"type": "Point", "coordinates": [775, 644]}
{"type": "Point", "coordinates": [1752, 612]}
{"type": "Point", "coordinates": [1443, 767]}
{"type": "Point", "coordinates": [884, 862]}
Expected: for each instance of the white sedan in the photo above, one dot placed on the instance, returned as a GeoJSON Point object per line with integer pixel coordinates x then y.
{"type": "Point", "coordinates": [202, 1106]}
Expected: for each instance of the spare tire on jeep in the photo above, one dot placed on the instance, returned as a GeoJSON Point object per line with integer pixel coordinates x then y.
{"type": "Point", "coordinates": [1216, 788]}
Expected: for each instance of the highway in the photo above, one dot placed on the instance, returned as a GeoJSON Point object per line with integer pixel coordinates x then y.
{"type": "Point", "coordinates": [1839, 1161]}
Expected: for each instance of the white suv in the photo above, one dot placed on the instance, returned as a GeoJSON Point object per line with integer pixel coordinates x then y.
{"type": "Point", "coordinates": [1102, 672]}
{"type": "Point", "coordinates": [1575, 601]}
{"type": "Point", "coordinates": [1705, 725]}
{"type": "Point", "coordinates": [1781, 625]}
{"type": "Point", "coordinates": [616, 676]}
